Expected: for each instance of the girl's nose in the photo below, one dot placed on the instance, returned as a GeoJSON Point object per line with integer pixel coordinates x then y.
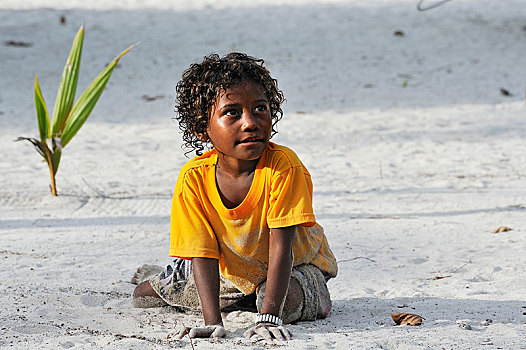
{"type": "Point", "coordinates": [249, 121]}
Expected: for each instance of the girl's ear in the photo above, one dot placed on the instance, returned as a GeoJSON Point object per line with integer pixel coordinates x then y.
{"type": "Point", "coordinates": [201, 136]}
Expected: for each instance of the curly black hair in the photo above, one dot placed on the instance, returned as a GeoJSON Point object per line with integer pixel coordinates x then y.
{"type": "Point", "coordinates": [203, 82]}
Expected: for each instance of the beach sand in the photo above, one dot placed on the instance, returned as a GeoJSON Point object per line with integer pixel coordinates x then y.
{"type": "Point", "coordinates": [412, 124]}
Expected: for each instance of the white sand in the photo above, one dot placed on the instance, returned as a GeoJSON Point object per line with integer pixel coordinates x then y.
{"type": "Point", "coordinates": [409, 181]}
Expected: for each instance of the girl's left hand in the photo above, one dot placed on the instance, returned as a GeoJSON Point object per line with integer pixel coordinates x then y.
{"type": "Point", "coordinates": [267, 331]}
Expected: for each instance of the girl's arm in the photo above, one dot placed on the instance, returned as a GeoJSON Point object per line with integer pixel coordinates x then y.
{"type": "Point", "coordinates": [206, 276]}
{"type": "Point", "coordinates": [277, 285]}
{"type": "Point", "coordinates": [279, 269]}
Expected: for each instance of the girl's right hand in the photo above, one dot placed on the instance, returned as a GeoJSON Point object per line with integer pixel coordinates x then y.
{"type": "Point", "coordinates": [215, 331]}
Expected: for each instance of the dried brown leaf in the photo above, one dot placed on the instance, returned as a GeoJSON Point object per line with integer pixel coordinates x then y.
{"type": "Point", "coordinates": [440, 277]}
{"type": "Point", "coordinates": [502, 229]}
{"type": "Point", "coordinates": [403, 318]}
{"type": "Point", "coordinates": [151, 98]}
{"type": "Point", "coordinates": [16, 43]}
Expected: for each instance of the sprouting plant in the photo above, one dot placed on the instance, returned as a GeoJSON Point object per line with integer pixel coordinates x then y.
{"type": "Point", "coordinates": [67, 117]}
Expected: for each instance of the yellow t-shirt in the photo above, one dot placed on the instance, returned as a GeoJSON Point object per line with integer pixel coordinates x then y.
{"type": "Point", "coordinates": [280, 196]}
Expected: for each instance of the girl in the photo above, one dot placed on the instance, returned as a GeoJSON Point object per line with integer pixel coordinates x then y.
{"type": "Point", "coordinates": [242, 224]}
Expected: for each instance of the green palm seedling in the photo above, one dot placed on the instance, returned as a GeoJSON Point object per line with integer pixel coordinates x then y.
{"type": "Point", "coordinates": [67, 117]}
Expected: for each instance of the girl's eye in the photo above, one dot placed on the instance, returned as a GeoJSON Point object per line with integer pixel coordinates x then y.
{"type": "Point", "coordinates": [261, 108]}
{"type": "Point", "coordinates": [231, 112]}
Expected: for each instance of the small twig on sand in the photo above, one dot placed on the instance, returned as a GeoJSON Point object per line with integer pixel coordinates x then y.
{"type": "Point", "coordinates": [358, 257]}
{"type": "Point", "coordinates": [432, 6]}
{"type": "Point", "coordinates": [452, 273]}
{"type": "Point", "coordinates": [142, 223]}
{"type": "Point", "coordinates": [381, 217]}
{"type": "Point", "coordinates": [188, 335]}
{"type": "Point", "coordinates": [461, 267]}
{"type": "Point", "coordinates": [94, 189]}
{"type": "Point", "coordinates": [22, 253]}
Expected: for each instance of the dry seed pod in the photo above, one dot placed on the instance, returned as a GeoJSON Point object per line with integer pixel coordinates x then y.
{"type": "Point", "coordinates": [502, 229]}
{"type": "Point", "coordinates": [404, 318]}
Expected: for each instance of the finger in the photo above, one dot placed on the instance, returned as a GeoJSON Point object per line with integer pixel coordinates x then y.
{"type": "Point", "coordinates": [219, 332]}
{"type": "Point", "coordinates": [276, 332]}
{"type": "Point", "coordinates": [285, 332]}
{"type": "Point", "coordinates": [249, 333]}
{"type": "Point", "coordinates": [201, 332]}
{"type": "Point", "coordinates": [256, 338]}
{"type": "Point", "coordinates": [181, 332]}
{"type": "Point", "coordinates": [264, 333]}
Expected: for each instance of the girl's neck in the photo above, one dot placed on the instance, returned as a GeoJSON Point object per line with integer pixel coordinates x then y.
{"type": "Point", "coordinates": [234, 181]}
{"type": "Point", "coordinates": [235, 167]}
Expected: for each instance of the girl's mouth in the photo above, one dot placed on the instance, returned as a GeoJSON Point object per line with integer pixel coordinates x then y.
{"type": "Point", "coordinates": [250, 141]}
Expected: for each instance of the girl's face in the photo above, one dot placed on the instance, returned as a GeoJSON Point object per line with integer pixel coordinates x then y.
{"type": "Point", "coordinates": [240, 123]}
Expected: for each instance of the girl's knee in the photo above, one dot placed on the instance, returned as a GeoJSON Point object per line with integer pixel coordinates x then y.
{"type": "Point", "coordinates": [293, 304]}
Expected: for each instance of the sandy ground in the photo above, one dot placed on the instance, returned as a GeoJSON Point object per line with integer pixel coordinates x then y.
{"type": "Point", "coordinates": [416, 155]}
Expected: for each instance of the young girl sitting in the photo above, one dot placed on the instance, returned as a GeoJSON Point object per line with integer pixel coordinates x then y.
{"type": "Point", "coordinates": [242, 224]}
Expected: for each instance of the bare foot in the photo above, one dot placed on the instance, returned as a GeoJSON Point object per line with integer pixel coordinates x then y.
{"type": "Point", "coordinates": [144, 272]}
{"type": "Point", "coordinates": [325, 302]}
{"type": "Point", "coordinates": [144, 296]}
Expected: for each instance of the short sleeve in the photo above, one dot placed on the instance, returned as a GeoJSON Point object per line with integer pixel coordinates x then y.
{"type": "Point", "coordinates": [290, 201]}
{"type": "Point", "coordinates": [191, 235]}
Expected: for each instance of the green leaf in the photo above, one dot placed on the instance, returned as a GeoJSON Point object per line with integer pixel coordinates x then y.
{"type": "Point", "coordinates": [86, 102]}
{"type": "Point", "coordinates": [55, 159]}
{"type": "Point", "coordinates": [42, 115]}
{"type": "Point", "coordinates": [68, 85]}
